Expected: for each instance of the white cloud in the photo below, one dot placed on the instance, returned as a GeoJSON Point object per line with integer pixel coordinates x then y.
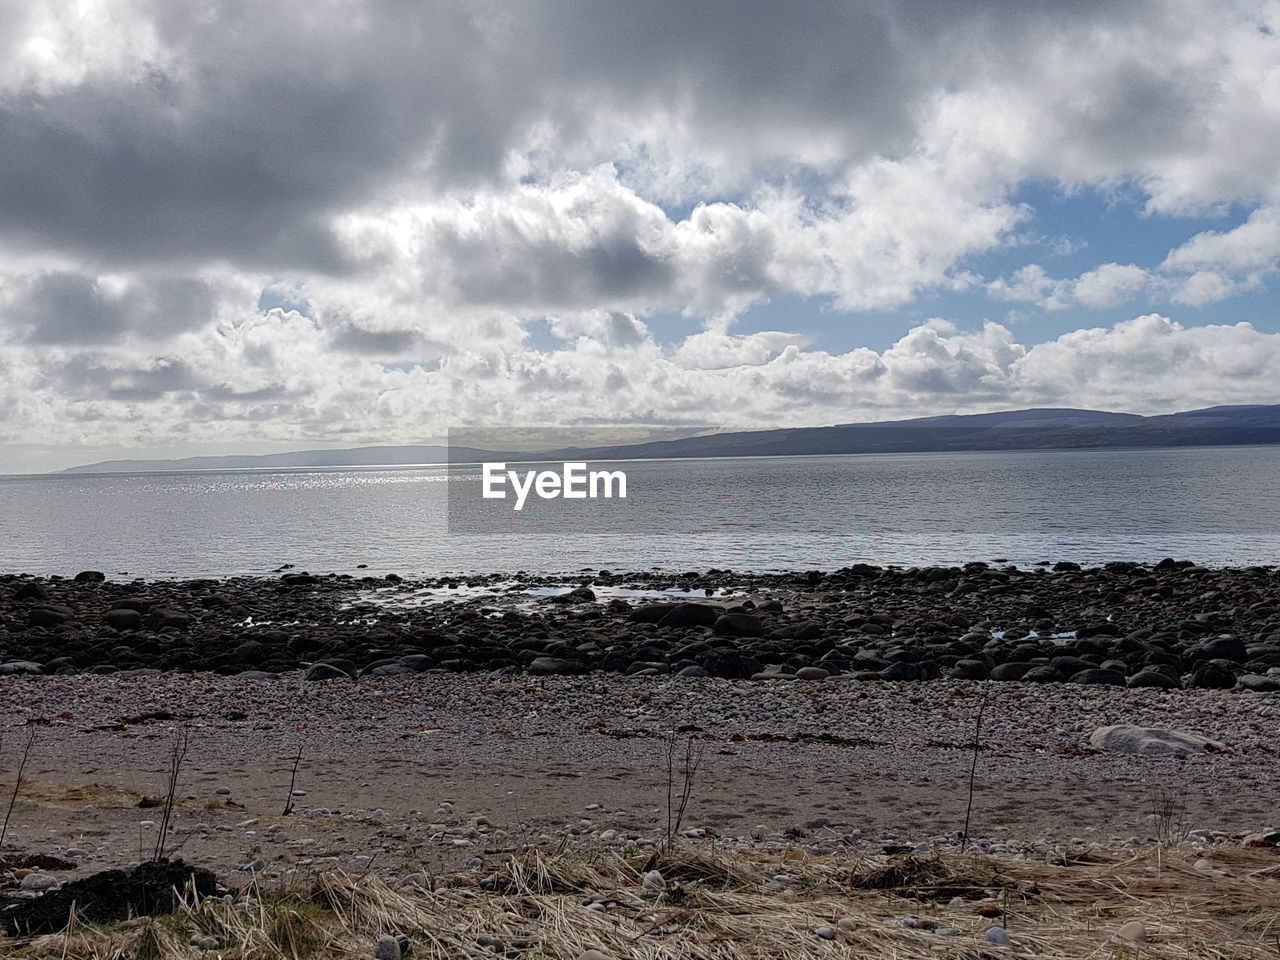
{"type": "Point", "coordinates": [431, 179]}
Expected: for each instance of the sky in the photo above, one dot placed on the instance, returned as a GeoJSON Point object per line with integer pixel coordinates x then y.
{"type": "Point", "coordinates": [239, 227]}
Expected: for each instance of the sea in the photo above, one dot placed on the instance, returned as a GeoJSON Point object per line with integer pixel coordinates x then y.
{"type": "Point", "coordinates": [1211, 505]}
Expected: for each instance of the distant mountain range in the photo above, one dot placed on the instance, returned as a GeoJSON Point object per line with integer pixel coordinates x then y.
{"type": "Point", "coordinates": [1047, 429]}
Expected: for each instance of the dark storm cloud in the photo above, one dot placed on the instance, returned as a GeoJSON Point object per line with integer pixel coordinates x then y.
{"type": "Point", "coordinates": [61, 307]}
{"type": "Point", "coordinates": [353, 339]}
{"type": "Point", "coordinates": [258, 121]}
{"type": "Point", "coordinates": [90, 378]}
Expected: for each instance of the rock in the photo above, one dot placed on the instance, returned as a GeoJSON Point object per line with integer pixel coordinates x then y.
{"type": "Point", "coordinates": [31, 591]}
{"type": "Point", "coordinates": [998, 936]}
{"type": "Point", "coordinates": [1149, 741]}
{"type": "Point", "coordinates": [161, 618]}
{"type": "Point", "coordinates": [738, 625]}
{"type": "Point", "coordinates": [653, 880]}
{"type": "Point", "coordinates": [123, 619]}
{"type": "Point", "coordinates": [1134, 931]}
{"type": "Point", "coordinates": [388, 948]}
{"type": "Point", "coordinates": [693, 670]}
{"type": "Point", "coordinates": [1010, 671]}
{"type": "Point", "coordinates": [773, 671]}
{"type": "Point", "coordinates": [1151, 677]}
{"type": "Point", "coordinates": [325, 671]}
{"type": "Point", "coordinates": [1257, 683]}
{"type": "Point", "coordinates": [1266, 838]}
{"type": "Point", "coordinates": [825, 933]}
{"type": "Point", "coordinates": [1111, 678]}
{"type": "Point", "coordinates": [594, 955]}
{"type": "Point", "coordinates": [50, 615]}
{"type": "Point", "coordinates": [551, 666]}
{"type": "Point", "coordinates": [969, 670]}
{"type": "Point", "coordinates": [1212, 675]}
{"type": "Point", "coordinates": [812, 673]}
{"type": "Point", "coordinates": [690, 615]}
{"type": "Point", "coordinates": [206, 943]}
{"type": "Point", "coordinates": [393, 670]}
{"type": "Point", "coordinates": [847, 924]}
{"type": "Point", "coordinates": [1218, 648]}
{"type": "Point", "coordinates": [38, 881]}
{"type": "Point", "coordinates": [90, 576]}
{"type": "Point", "coordinates": [1043, 674]}
{"type": "Point", "coordinates": [20, 668]}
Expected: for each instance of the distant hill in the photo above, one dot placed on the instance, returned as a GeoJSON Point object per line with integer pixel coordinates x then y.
{"type": "Point", "coordinates": [1041, 429]}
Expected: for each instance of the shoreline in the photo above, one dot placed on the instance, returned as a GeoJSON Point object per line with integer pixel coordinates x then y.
{"type": "Point", "coordinates": [1170, 626]}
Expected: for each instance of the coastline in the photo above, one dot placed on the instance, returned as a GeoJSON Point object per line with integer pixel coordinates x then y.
{"type": "Point", "coordinates": [1170, 625]}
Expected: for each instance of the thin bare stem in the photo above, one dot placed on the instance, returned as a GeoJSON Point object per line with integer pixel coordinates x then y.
{"type": "Point", "coordinates": [973, 766]}
{"type": "Point", "coordinates": [178, 753]}
{"type": "Point", "coordinates": [293, 778]}
{"type": "Point", "coordinates": [17, 782]}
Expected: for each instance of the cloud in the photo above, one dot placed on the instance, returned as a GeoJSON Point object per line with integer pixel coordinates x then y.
{"type": "Point", "coordinates": [431, 179]}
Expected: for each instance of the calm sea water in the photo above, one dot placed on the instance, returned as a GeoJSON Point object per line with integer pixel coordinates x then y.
{"type": "Point", "coordinates": [1213, 505]}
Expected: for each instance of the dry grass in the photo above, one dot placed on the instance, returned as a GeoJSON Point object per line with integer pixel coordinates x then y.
{"type": "Point", "coordinates": [717, 905]}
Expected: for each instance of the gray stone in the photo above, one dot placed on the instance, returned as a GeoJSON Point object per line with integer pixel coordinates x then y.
{"type": "Point", "coordinates": [38, 881]}
{"type": "Point", "coordinates": [1149, 741]}
{"type": "Point", "coordinates": [388, 948]}
{"type": "Point", "coordinates": [325, 671]}
{"type": "Point", "coordinates": [551, 666]}
{"type": "Point", "coordinates": [1257, 683]}
{"type": "Point", "coordinates": [812, 673]}
{"type": "Point", "coordinates": [1151, 677]}
{"type": "Point", "coordinates": [998, 936]}
{"type": "Point", "coordinates": [21, 668]}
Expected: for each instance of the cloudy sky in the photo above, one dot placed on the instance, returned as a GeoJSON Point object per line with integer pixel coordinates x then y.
{"type": "Point", "coordinates": [233, 226]}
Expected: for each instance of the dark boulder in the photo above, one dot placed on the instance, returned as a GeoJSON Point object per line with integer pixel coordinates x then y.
{"type": "Point", "coordinates": [690, 615]}
{"type": "Point", "coordinates": [969, 670]}
{"type": "Point", "coordinates": [162, 618]}
{"type": "Point", "coordinates": [1213, 675]}
{"type": "Point", "coordinates": [326, 670]}
{"type": "Point", "coordinates": [552, 666]}
{"type": "Point", "coordinates": [1043, 673]}
{"type": "Point", "coordinates": [1111, 678]}
{"type": "Point", "coordinates": [31, 591]}
{"type": "Point", "coordinates": [1218, 648]}
{"type": "Point", "coordinates": [21, 668]}
{"type": "Point", "coordinates": [122, 619]}
{"type": "Point", "coordinates": [651, 612]}
{"type": "Point", "coordinates": [50, 615]}
{"type": "Point", "coordinates": [90, 576]}
{"type": "Point", "coordinates": [1153, 677]}
{"type": "Point", "coordinates": [738, 625]}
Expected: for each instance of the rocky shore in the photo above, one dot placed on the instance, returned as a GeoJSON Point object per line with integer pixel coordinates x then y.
{"type": "Point", "coordinates": [1169, 625]}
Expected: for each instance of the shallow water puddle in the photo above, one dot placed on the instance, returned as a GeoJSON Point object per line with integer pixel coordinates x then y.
{"type": "Point", "coordinates": [516, 591]}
